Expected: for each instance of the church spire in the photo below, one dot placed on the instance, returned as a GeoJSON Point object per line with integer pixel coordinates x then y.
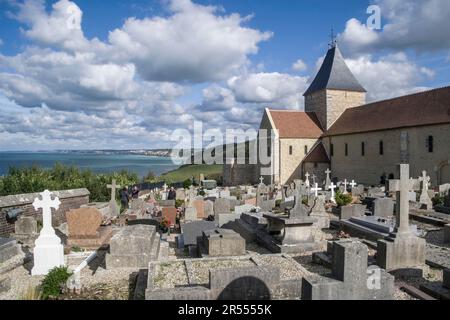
{"type": "Point", "coordinates": [333, 40]}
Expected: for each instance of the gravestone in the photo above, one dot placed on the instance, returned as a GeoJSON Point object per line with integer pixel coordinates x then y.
{"type": "Point", "coordinates": [166, 203]}
{"type": "Point", "coordinates": [358, 191]}
{"type": "Point", "coordinates": [221, 206]}
{"type": "Point", "coordinates": [85, 230]}
{"type": "Point", "coordinates": [424, 196]}
{"type": "Point", "coordinates": [113, 207]}
{"type": "Point", "coordinates": [447, 233]}
{"type": "Point", "coordinates": [243, 209]}
{"type": "Point", "coordinates": [375, 192]}
{"type": "Point", "coordinates": [401, 249]}
{"type": "Point", "coordinates": [181, 194]}
{"type": "Point", "coordinates": [224, 193]}
{"type": "Point", "coordinates": [327, 180]}
{"type": "Point", "coordinates": [251, 201]}
{"type": "Point", "coordinates": [192, 230]}
{"type": "Point", "coordinates": [170, 213]}
{"type": "Point", "coordinates": [103, 207]}
{"type": "Point", "coordinates": [26, 230]}
{"type": "Point", "coordinates": [199, 205]}
{"type": "Point", "coordinates": [133, 247]}
{"type": "Point", "coordinates": [209, 208]}
{"type": "Point", "coordinates": [222, 243]}
{"type": "Point", "coordinates": [48, 250]}
{"type": "Point", "coordinates": [444, 188]}
{"type": "Point", "coordinates": [352, 210]}
{"type": "Point", "coordinates": [319, 213]}
{"type": "Point", "coordinates": [351, 278]}
{"type": "Point", "coordinates": [383, 207]}
{"type": "Point", "coordinates": [190, 214]}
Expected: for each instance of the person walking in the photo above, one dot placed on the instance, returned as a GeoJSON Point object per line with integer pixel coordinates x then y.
{"type": "Point", "coordinates": [124, 198]}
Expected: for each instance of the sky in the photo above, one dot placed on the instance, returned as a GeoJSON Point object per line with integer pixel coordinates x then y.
{"type": "Point", "coordinates": [96, 74]}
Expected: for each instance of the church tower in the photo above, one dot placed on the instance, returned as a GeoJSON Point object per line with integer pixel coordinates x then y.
{"type": "Point", "coordinates": [334, 89]}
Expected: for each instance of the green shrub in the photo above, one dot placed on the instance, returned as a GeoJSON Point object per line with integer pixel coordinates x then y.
{"type": "Point", "coordinates": [438, 200]}
{"type": "Point", "coordinates": [277, 203]}
{"type": "Point", "coordinates": [187, 183]}
{"type": "Point", "coordinates": [179, 203]}
{"type": "Point", "coordinates": [54, 281]}
{"type": "Point", "coordinates": [343, 199]}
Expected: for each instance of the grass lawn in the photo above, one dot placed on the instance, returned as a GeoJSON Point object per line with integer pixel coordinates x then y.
{"type": "Point", "coordinates": [187, 172]}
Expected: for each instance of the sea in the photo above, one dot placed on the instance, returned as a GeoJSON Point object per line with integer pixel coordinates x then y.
{"type": "Point", "coordinates": [98, 163]}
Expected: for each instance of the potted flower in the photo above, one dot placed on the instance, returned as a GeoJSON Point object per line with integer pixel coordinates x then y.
{"type": "Point", "coordinates": [164, 225]}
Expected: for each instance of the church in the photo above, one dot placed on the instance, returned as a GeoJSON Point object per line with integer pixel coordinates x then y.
{"type": "Point", "coordinates": [357, 141]}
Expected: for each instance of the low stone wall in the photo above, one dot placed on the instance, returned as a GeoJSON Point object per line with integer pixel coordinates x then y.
{"type": "Point", "coordinates": [70, 199]}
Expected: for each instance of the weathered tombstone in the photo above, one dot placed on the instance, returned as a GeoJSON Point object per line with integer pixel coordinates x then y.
{"type": "Point", "coordinates": [447, 233]}
{"type": "Point", "coordinates": [358, 191]}
{"type": "Point", "coordinates": [319, 213]}
{"type": "Point", "coordinates": [85, 230]}
{"type": "Point", "coordinates": [26, 230]}
{"type": "Point", "coordinates": [199, 205]}
{"type": "Point", "coordinates": [133, 247]}
{"type": "Point", "coordinates": [352, 210]}
{"type": "Point", "coordinates": [181, 194]}
{"type": "Point", "coordinates": [402, 249]}
{"type": "Point", "coordinates": [113, 208]}
{"type": "Point", "coordinates": [166, 203]}
{"type": "Point", "coordinates": [224, 193]}
{"type": "Point", "coordinates": [444, 188]}
{"type": "Point", "coordinates": [222, 243]}
{"type": "Point", "coordinates": [424, 197]}
{"type": "Point", "coordinates": [190, 214]}
{"type": "Point", "coordinates": [209, 208]}
{"type": "Point", "coordinates": [221, 206]}
{"type": "Point", "coordinates": [251, 201]}
{"type": "Point", "coordinates": [192, 230]}
{"type": "Point", "coordinates": [48, 250]}
{"type": "Point", "coordinates": [170, 213]}
{"type": "Point", "coordinates": [383, 207]}
{"type": "Point", "coordinates": [352, 279]}
{"type": "Point", "coordinates": [243, 209]}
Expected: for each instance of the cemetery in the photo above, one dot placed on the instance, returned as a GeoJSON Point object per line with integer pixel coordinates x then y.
{"type": "Point", "coordinates": [301, 241]}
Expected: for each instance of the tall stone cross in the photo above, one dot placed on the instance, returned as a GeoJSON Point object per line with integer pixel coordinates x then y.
{"type": "Point", "coordinates": [316, 189]}
{"type": "Point", "coordinates": [353, 184]}
{"type": "Point", "coordinates": [345, 186]}
{"type": "Point", "coordinates": [46, 204]}
{"type": "Point", "coordinates": [48, 250]}
{"type": "Point", "coordinates": [333, 194]}
{"type": "Point", "coordinates": [328, 179]}
{"type": "Point", "coordinates": [424, 196]}
{"type": "Point", "coordinates": [298, 189]}
{"type": "Point", "coordinates": [402, 188]}
{"type": "Point", "coordinates": [307, 183]}
{"type": "Point", "coordinates": [113, 188]}
{"type": "Point", "coordinates": [314, 179]}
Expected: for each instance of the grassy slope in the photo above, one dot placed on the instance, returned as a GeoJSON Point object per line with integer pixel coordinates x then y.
{"type": "Point", "coordinates": [187, 172]}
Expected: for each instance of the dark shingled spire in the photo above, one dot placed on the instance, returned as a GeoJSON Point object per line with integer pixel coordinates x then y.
{"type": "Point", "coordinates": [334, 74]}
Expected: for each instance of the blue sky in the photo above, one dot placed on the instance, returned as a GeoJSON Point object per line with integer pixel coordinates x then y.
{"type": "Point", "coordinates": [130, 72]}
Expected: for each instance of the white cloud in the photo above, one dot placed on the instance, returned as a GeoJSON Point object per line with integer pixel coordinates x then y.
{"type": "Point", "coordinates": [390, 76]}
{"type": "Point", "coordinates": [299, 65]}
{"type": "Point", "coordinates": [408, 24]}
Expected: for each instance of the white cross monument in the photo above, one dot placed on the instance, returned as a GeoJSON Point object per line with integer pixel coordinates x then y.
{"type": "Point", "coordinates": [333, 194]}
{"type": "Point", "coordinates": [48, 250]}
{"type": "Point", "coordinates": [307, 183]}
{"type": "Point", "coordinates": [114, 209]}
{"type": "Point", "coordinates": [424, 196]}
{"type": "Point", "coordinates": [345, 186]}
{"type": "Point", "coordinates": [316, 190]}
{"type": "Point", "coordinates": [328, 180]}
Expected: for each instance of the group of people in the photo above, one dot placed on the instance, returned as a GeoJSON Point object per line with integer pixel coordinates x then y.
{"type": "Point", "coordinates": [125, 196]}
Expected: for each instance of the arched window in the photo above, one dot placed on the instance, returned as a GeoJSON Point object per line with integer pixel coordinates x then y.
{"type": "Point", "coordinates": [291, 151]}
{"type": "Point", "coordinates": [381, 148]}
{"type": "Point", "coordinates": [306, 150]}
{"type": "Point", "coordinates": [430, 144]}
{"type": "Point", "coordinates": [346, 149]}
{"type": "Point", "coordinates": [363, 149]}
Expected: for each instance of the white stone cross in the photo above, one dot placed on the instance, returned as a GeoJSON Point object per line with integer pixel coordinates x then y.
{"type": "Point", "coordinates": [113, 188]}
{"type": "Point", "coordinates": [345, 186]}
{"type": "Point", "coordinates": [402, 188]}
{"type": "Point", "coordinates": [424, 196]}
{"type": "Point", "coordinates": [48, 250]}
{"type": "Point", "coordinates": [333, 195]}
{"type": "Point", "coordinates": [425, 181]}
{"type": "Point", "coordinates": [353, 184]}
{"type": "Point", "coordinates": [261, 180]}
{"type": "Point", "coordinates": [307, 183]}
{"type": "Point", "coordinates": [46, 204]}
{"type": "Point", "coordinates": [316, 190]}
{"type": "Point", "coordinates": [328, 179]}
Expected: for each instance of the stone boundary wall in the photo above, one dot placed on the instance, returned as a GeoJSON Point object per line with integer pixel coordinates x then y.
{"type": "Point", "coordinates": [70, 199]}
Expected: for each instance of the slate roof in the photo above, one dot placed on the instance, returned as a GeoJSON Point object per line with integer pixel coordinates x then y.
{"type": "Point", "coordinates": [334, 74]}
{"type": "Point", "coordinates": [420, 109]}
{"type": "Point", "coordinates": [296, 124]}
{"type": "Point", "coordinates": [317, 154]}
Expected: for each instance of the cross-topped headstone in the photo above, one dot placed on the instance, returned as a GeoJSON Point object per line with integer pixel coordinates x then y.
{"type": "Point", "coordinates": [307, 183]}
{"type": "Point", "coordinates": [345, 186]}
{"type": "Point", "coordinates": [316, 190]}
{"type": "Point", "coordinates": [424, 196]}
{"type": "Point", "coordinates": [48, 250]}
{"type": "Point", "coordinates": [298, 189]}
{"type": "Point", "coordinates": [402, 188]}
{"type": "Point", "coordinates": [261, 180]}
{"type": "Point", "coordinates": [47, 204]}
{"type": "Point", "coordinates": [113, 186]}
{"type": "Point", "coordinates": [353, 184]}
{"type": "Point", "coordinates": [328, 179]}
{"type": "Point", "coordinates": [333, 194]}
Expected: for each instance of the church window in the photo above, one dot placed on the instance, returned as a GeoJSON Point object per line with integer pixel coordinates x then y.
{"type": "Point", "coordinates": [430, 144]}
{"type": "Point", "coordinates": [363, 149]}
{"type": "Point", "coordinates": [381, 148]}
{"type": "Point", "coordinates": [306, 150]}
{"type": "Point", "coordinates": [290, 150]}
{"type": "Point", "coordinates": [332, 150]}
{"type": "Point", "coordinates": [346, 149]}
{"type": "Point", "coordinates": [315, 165]}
